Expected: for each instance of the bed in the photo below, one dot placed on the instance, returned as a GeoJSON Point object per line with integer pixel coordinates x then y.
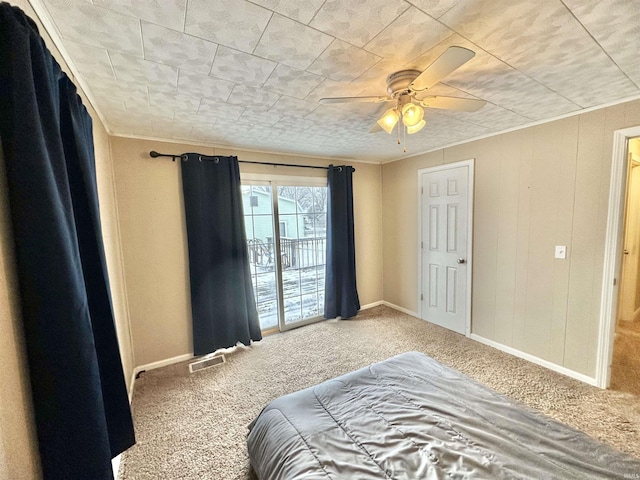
{"type": "Point", "coordinates": [409, 417]}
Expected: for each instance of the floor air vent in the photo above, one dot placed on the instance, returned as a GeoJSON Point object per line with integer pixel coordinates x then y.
{"type": "Point", "coordinates": [206, 363]}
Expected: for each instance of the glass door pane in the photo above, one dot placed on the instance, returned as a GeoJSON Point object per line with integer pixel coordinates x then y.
{"type": "Point", "coordinates": [257, 201]}
{"type": "Point", "coordinates": [302, 222]}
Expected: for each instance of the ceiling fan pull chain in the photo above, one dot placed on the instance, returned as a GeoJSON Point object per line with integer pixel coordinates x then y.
{"type": "Point", "coordinates": [404, 139]}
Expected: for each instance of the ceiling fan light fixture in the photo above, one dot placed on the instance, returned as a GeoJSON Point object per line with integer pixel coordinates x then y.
{"type": "Point", "coordinates": [389, 120]}
{"type": "Point", "coordinates": [416, 128]}
{"type": "Point", "coordinates": [412, 114]}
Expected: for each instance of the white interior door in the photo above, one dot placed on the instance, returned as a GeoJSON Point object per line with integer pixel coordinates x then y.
{"type": "Point", "coordinates": [445, 246]}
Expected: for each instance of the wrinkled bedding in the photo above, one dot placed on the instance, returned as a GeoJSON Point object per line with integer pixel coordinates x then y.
{"type": "Point", "coordinates": [409, 417]}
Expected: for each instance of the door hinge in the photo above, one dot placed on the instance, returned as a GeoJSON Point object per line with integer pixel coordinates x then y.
{"type": "Point", "coordinates": [614, 282]}
{"type": "Point", "coordinates": [421, 297]}
{"type": "Point", "coordinates": [422, 190]}
{"type": "Point", "coordinates": [421, 244]}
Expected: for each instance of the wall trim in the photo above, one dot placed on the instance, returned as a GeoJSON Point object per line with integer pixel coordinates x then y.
{"type": "Point", "coordinates": [400, 309]}
{"type": "Point", "coordinates": [162, 363]}
{"type": "Point", "coordinates": [188, 356]}
{"type": "Point", "coordinates": [371, 305]}
{"type": "Point", "coordinates": [533, 359]}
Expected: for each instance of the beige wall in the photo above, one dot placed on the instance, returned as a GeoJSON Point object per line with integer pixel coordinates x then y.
{"type": "Point", "coordinates": [19, 457]}
{"type": "Point", "coordinates": [535, 188]}
{"type": "Point", "coordinates": [154, 245]}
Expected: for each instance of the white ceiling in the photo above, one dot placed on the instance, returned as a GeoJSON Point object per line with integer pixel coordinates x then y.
{"type": "Point", "coordinates": [249, 74]}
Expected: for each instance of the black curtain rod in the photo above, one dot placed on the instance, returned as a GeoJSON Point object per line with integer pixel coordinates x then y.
{"type": "Point", "coordinates": [185, 156]}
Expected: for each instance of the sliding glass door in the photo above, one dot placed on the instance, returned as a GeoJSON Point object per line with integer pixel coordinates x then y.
{"type": "Point", "coordinates": [286, 238]}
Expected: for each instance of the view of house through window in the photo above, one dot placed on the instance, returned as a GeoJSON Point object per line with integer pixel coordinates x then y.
{"type": "Point", "coordinates": [287, 255]}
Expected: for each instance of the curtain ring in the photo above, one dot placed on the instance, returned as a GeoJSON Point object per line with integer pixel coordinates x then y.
{"type": "Point", "coordinates": [200, 158]}
{"type": "Point", "coordinates": [184, 157]}
{"type": "Point", "coordinates": [339, 169]}
{"type": "Point", "coordinates": [216, 160]}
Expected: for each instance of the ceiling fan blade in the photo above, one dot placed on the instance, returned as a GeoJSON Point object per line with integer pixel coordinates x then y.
{"type": "Point", "coordinates": [376, 128]}
{"type": "Point", "coordinates": [452, 58]}
{"type": "Point", "coordinates": [355, 99]}
{"type": "Point", "coordinates": [453, 103]}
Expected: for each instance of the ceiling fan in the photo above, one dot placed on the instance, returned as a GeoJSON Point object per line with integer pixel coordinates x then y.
{"type": "Point", "coordinates": [404, 86]}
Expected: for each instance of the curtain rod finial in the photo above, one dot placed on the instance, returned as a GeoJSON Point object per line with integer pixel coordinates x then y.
{"type": "Point", "coordinates": [154, 154]}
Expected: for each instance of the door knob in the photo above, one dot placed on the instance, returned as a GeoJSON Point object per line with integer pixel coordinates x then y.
{"type": "Point", "coordinates": [626, 252]}
{"type": "Point", "coordinates": [461, 260]}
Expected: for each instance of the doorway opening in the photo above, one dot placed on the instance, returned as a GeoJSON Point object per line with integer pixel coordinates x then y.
{"type": "Point", "coordinates": [611, 305]}
{"type": "Point", "coordinates": [286, 223]}
{"type": "Point", "coordinates": [625, 363]}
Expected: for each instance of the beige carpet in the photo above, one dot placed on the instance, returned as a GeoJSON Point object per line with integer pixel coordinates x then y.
{"type": "Point", "coordinates": [193, 426]}
{"type": "Point", "coordinates": [625, 368]}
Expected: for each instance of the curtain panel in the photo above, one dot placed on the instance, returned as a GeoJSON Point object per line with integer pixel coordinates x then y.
{"type": "Point", "coordinates": [341, 294]}
{"type": "Point", "coordinates": [81, 406]}
{"type": "Point", "coordinates": [222, 301]}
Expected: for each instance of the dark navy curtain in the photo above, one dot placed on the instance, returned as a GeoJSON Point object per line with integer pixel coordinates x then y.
{"type": "Point", "coordinates": [222, 302]}
{"type": "Point", "coordinates": [80, 400]}
{"type": "Point", "coordinates": [341, 295]}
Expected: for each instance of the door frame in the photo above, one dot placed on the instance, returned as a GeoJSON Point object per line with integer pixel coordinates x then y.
{"type": "Point", "coordinates": [613, 254]}
{"type": "Point", "coordinates": [470, 199]}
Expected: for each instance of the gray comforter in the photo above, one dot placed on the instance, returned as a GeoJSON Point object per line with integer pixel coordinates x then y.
{"type": "Point", "coordinates": [410, 417]}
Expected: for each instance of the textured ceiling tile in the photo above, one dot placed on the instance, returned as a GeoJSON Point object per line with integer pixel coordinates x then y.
{"type": "Point", "coordinates": [198, 120]}
{"type": "Point", "coordinates": [491, 116]}
{"type": "Point", "coordinates": [223, 111]}
{"type": "Point", "coordinates": [343, 62]}
{"type": "Point", "coordinates": [332, 114]}
{"type": "Point", "coordinates": [293, 107]}
{"type": "Point", "coordinates": [111, 88]}
{"type": "Point", "coordinates": [171, 99]}
{"type": "Point", "coordinates": [495, 81]}
{"type": "Point", "coordinates": [332, 88]}
{"type": "Point", "coordinates": [252, 97]}
{"type": "Point", "coordinates": [259, 117]}
{"type": "Point", "coordinates": [91, 60]}
{"type": "Point", "coordinates": [291, 43]}
{"type": "Point", "coordinates": [298, 125]}
{"type": "Point", "coordinates": [435, 8]}
{"type": "Point", "coordinates": [543, 40]}
{"type": "Point", "coordinates": [614, 24]}
{"type": "Point", "coordinates": [240, 67]}
{"type": "Point", "coordinates": [292, 82]}
{"type": "Point", "coordinates": [204, 86]}
{"type": "Point", "coordinates": [300, 10]}
{"type": "Point", "coordinates": [169, 13]}
{"type": "Point", "coordinates": [412, 34]}
{"type": "Point", "coordinates": [143, 72]}
{"type": "Point", "coordinates": [164, 45]}
{"type": "Point", "coordinates": [374, 80]}
{"type": "Point", "coordinates": [96, 26]}
{"type": "Point", "coordinates": [148, 113]}
{"type": "Point", "coordinates": [357, 21]}
{"type": "Point", "coordinates": [234, 23]}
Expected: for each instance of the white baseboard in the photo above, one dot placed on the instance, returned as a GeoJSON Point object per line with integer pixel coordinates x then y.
{"type": "Point", "coordinates": [371, 305]}
{"type": "Point", "coordinates": [536, 360]}
{"type": "Point", "coordinates": [115, 466]}
{"type": "Point", "coordinates": [400, 309]}
{"type": "Point", "coordinates": [152, 365]}
{"type": "Point", "coordinates": [162, 363]}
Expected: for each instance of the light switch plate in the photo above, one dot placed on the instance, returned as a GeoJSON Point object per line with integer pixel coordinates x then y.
{"type": "Point", "coordinates": [561, 251]}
